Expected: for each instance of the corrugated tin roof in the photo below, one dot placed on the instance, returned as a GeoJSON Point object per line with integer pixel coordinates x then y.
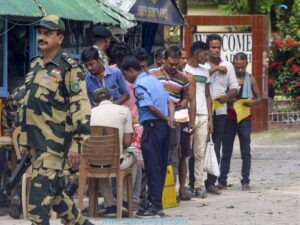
{"type": "Point", "coordinates": [125, 19]}
{"type": "Point", "coordinates": [26, 8]}
{"type": "Point", "coordinates": [82, 10]}
{"type": "Point", "coordinates": [125, 5]}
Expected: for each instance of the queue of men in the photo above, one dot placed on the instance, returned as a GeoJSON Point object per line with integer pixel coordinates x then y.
{"type": "Point", "coordinates": [164, 116]}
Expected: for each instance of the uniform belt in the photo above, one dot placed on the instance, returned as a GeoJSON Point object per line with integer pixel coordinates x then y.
{"type": "Point", "coordinates": [151, 123]}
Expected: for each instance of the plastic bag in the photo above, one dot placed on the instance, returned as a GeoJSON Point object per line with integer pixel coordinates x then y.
{"type": "Point", "coordinates": [211, 165]}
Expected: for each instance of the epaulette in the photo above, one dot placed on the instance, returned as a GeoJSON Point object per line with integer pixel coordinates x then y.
{"type": "Point", "coordinates": [70, 60]}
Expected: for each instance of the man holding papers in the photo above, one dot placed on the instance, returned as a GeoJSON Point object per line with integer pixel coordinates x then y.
{"type": "Point", "coordinates": [239, 121]}
{"type": "Point", "coordinates": [203, 120]}
{"type": "Point", "coordinates": [223, 87]}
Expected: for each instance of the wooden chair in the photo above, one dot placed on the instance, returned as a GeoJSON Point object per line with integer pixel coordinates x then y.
{"type": "Point", "coordinates": [101, 159]}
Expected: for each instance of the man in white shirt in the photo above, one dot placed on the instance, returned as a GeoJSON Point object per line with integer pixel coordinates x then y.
{"type": "Point", "coordinates": [112, 115]}
{"type": "Point", "coordinates": [224, 86]}
{"type": "Point", "coordinates": [203, 120]}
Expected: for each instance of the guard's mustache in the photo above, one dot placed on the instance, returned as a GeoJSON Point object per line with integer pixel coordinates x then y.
{"type": "Point", "coordinates": [42, 42]}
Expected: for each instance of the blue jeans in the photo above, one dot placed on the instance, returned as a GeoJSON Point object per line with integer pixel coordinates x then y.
{"type": "Point", "coordinates": [243, 129]}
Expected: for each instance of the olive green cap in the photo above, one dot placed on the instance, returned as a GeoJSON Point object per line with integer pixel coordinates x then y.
{"type": "Point", "coordinates": [51, 22]}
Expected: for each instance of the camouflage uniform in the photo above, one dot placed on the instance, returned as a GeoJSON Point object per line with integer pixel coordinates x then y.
{"type": "Point", "coordinates": [12, 104]}
{"type": "Point", "coordinates": [102, 55]}
{"type": "Point", "coordinates": [54, 120]}
{"type": "Point", "coordinates": [9, 122]}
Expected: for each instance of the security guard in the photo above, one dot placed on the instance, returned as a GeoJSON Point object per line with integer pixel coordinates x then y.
{"type": "Point", "coordinates": [54, 123]}
{"type": "Point", "coordinates": [9, 122]}
{"type": "Point", "coordinates": [101, 39]}
{"type": "Point", "coordinates": [156, 114]}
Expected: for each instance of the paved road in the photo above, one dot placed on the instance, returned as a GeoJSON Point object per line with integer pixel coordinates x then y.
{"type": "Point", "coordinates": [275, 198]}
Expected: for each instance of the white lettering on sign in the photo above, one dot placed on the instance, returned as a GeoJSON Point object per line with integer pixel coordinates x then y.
{"type": "Point", "coordinates": [232, 44]}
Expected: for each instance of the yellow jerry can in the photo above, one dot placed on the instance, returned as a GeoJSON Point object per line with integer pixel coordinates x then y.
{"type": "Point", "coordinates": [169, 191]}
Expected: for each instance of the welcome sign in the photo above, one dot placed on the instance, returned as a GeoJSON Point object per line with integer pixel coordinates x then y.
{"type": "Point", "coordinates": [232, 44]}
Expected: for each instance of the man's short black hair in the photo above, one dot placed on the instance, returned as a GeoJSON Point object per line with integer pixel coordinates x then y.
{"type": "Point", "coordinates": [131, 62]}
{"type": "Point", "coordinates": [140, 53]}
{"type": "Point", "coordinates": [101, 94]}
{"type": "Point", "coordinates": [89, 54]}
{"type": "Point", "coordinates": [173, 51]}
{"type": "Point", "coordinates": [213, 37]}
{"type": "Point", "coordinates": [198, 46]}
{"type": "Point", "coordinates": [159, 53]}
{"type": "Point", "coordinates": [118, 51]}
{"type": "Point", "coordinates": [240, 56]}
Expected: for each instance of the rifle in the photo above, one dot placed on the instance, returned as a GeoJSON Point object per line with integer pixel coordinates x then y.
{"type": "Point", "coordinates": [23, 165]}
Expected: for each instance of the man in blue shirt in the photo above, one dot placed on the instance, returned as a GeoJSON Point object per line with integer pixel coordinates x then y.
{"type": "Point", "coordinates": [156, 114]}
{"type": "Point", "coordinates": [102, 76]}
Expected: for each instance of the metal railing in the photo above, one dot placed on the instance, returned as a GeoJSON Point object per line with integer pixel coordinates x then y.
{"type": "Point", "coordinates": [285, 117]}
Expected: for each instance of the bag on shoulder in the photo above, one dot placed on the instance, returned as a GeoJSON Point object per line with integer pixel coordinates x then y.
{"type": "Point", "coordinates": [211, 165]}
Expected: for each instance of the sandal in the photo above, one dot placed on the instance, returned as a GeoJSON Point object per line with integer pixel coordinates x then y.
{"type": "Point", "coordinates": [185, 196]}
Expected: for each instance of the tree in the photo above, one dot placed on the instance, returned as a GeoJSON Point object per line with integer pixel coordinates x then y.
{"type": "Point", "coordinates": [285, 54]}
{"type": "Point", "coordinates": [249, 6]}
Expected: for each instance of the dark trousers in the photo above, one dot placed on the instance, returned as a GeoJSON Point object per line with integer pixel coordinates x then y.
{"type": "Point", "coordinates": [155, 147]}
{"type": "Point", "coordinates": [219, 124]}
{"type": "Point", "coordinates": [192, 172]}
{"type": "Point", "coordinates": [243, 129]}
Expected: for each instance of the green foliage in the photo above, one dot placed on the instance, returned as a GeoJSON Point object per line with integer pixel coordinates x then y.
{"type": "Point", "coordinates": [285, 56]}
{"type": "Point", "coordinates": [242, 6]}
{"type": "Point", "coordinates": [173, 36]}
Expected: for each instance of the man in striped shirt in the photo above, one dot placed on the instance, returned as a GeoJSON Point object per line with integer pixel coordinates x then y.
{"type": "Point", "coordinates": [176, 85]}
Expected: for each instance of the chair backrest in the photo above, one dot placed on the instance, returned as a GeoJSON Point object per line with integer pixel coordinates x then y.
{"type": "Point", "coordinates": [102, 150]}
{"type": "Point", "coordinates": [15, 138]}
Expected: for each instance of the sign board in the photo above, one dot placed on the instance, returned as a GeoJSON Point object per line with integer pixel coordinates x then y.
{"type": "Point", "coordinates": [232, 44]}
{"type": "Point", "coordinates": [157, 11]}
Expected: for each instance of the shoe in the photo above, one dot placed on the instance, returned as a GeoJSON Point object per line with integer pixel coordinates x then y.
{"type": "Point", "coordinates": [191, 190]}
{"type": "Point", "coordinates": [125, 205]}
{"type": "Point", "coordinates": [140, 211]}
{"type": "Point", "coordinates": [110, 211]}
{"type": "Point", "coordinates": [161, 213]}
{"type": "Point", "coordinates": [200, 193]}
{"type": "Point", "coordinates": [221, 186]}
{"type": "Point", "coordinates": [101, 208]}
{"type": "Point", "coordinates": [185, 196]}
{"type": "Point", "coordinates": [149, 212]}
{"type": "Point", "coordinates": [246, 187]}
{"type": "Point", "coordinates": [213, 190]}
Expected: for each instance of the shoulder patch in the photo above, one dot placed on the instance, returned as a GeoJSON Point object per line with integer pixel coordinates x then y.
{"type": "Point", "coordinates": [70, 60]}
{"type": "Point", "coordinates": [140, 96]}
{"type": "Point", "coordinates": [75, 86]}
